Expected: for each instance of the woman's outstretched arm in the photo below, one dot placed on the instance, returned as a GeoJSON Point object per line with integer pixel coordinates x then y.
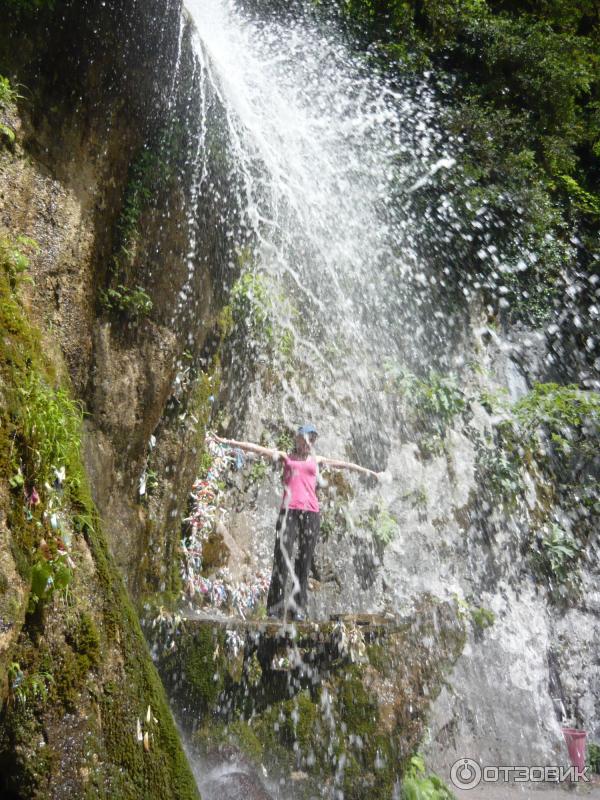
{"type": "Point", "coordinates": [249, 447]}
{"type": "Point", "coordinates": [332, 462]}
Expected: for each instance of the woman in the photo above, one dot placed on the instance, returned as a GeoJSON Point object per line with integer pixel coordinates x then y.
{"type": "Point", "coordinates": [299, 516]}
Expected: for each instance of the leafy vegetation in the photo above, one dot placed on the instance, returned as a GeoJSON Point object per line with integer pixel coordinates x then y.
{"type": "Point", "coordinates": [483, 617]}
{"type": "Point", "coordinates": [497, 470]}
{"type": "Point", "coordinates": [8, 97]}
{"type": "Point", "coordinates": [50, 422]}
{"type": "Point", "coordinates": [251, 307]}
{"type": "Point", "coordinates": [26, 689]}
{"type": "Point", "coordinates": [557, 557]}
{"type": "Point", "coordinates": [135, 302]}
{"type": "Point", "coordinates": [285, 441]}
{"type": "Point", "coordinates": [258, 471]}
{"type": "Point", "coordinates": [49, 502]}
{"type": "Point", "coordinates": [593, 757]}
{"type": "Point", "coordinates": [382, 525]}
{"type": "Point", "coordinates": [8, 94]}
{"type": "Point", "coordinates": [151, 172]}
{"type": "Point", "coordinates": [522, 81]}
{"type": "Point", "coordinates": [418, 785]}
{"type": "Point", "coordinates": [569, 415]}
{"type": "Point", "coordinates": [434, 402]}
{"type": "Point", "coordinates": [15, 256]}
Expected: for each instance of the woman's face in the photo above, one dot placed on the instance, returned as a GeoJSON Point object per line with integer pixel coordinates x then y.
{"type": "Point", "coordinates": [305, 442]}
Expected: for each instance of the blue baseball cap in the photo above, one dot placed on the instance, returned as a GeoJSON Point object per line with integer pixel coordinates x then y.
{"type": "Point", "coordinates": [306, 430]}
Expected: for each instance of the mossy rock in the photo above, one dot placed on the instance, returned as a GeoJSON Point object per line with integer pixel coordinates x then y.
{"type": "Point", "coordinates": [366, 712]}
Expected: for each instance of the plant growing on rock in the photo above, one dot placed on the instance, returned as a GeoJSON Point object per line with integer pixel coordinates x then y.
{"type": "Point", "coordinates": [435, 401]}
{"type": "Point", "coordinates": [251, 308]}
{"type": "Point", "coordinates": [496, 471]}
{"type": "Point", "coordinates": [482, 617]}
{"type": "Point", "coordinates": [8, 97]}
{"type": "Point", "coordinates": [51, 424]}
{"type": "Point", "coordinates": [418, 785]}
{"type": "Point", "coordinates": [556, 556]}
{"type": "Point", "coordinates": [569, 415]}
{"type": "Point", "coordinates": [14, 258]}
{"type": "Point", "coordinates": [382, 525]}
{"type": "Point", "coordinates": [136, 302]}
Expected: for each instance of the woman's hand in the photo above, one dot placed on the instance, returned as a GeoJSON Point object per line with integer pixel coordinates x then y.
{"type": "Point", "coordinates": [384, 477]}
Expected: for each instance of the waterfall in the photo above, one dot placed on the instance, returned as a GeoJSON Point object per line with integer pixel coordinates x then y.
{"type": "Point", "coordinates": [344, 232]}
{"type": "Point", "coordinates": [320, 143]}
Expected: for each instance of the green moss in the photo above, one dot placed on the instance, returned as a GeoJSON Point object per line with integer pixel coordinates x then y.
{"type": "Point", "coordinates": [41, 430]}
{"type": "Point", "coordinates": [245, 738]}
{"type": "Point", "coordinates": [357, 710]}
{"type": "Point", "coordinates": [204, 675]}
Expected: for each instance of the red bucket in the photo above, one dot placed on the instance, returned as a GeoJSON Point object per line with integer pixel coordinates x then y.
{"type": "Point", "coordinates": [576, 746]}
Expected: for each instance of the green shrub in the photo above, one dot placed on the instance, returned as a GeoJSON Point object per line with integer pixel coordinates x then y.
{"type": "Point", "coordinates": [593, 757]}
{"type": "Point", "coordinates": [571, 416]}
{"type": "Point", "coordinates": [28, 689]}
{"type": "Point", "coordinates": [556, 555]}
{"type": "Point", "coordinates": [497, 470]}
{"type": "Point", "coordinates": [258, 471]}
{"type": "Point", "coordinates": [382, 525]}
{"type": "Point", "coordinates": [285, 441]}
{"type": "Point", "coordinates": [135, 302]}
{"type": "Point", "coordinates": [8, 94]}
{"type": "Point", "coordinates": [483, 617]}
{"type": "Point", "coordinates": [50, 422]}
{"type": "Point", "coordinates": [251, 307]}
{"type": "Point", "coordinates": [437, 399]}
{"type": "Point", "coordinates": [418, 785]}
{"type": "Point", "coordinates": [48, 576]}
{"type": "Point", "coordinates": [14, 258]}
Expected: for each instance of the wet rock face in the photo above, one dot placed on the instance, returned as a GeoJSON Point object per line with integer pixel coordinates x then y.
{"type": "Point", "coordinates": [233, 785]}
{"type": "Point", "coordinates": [121, 176]}
{"type": "Point", "coordinates": [337, 705]}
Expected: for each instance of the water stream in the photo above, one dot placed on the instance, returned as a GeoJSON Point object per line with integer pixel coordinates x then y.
{"type": "Point", "coordinates": [326, 173]}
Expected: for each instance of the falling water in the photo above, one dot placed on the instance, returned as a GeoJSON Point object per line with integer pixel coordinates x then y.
{"type": "Point", "coordinates": [311, 160]}
{"type": "Point", "coordinates": [320, 145]}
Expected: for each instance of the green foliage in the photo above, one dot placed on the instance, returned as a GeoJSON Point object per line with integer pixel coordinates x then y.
{"type": "Point", "coordinates": [419, 498]}
{"type": "Point", "coordinates": [8, 97]}
{"type": "Point", "coordinates": [570, 416]}
{"type": "Point", "coordinates": [558, 555]}
{"type": "Point", "coordinates": [8, 94]}
{"type": "Point", "coordinates": [151, 172]}
{"type": "Point", "coordinates": [40, 429]}
{"type": "Point", "coordinates": [522, 82]}
{"type": "Point", "coordinates": [593, 757]}
{"type": "Point", "coordinates": [14, 257]}
{"type": "Point", "coordinates": [585, 202]}
{"type": "Point", "coordinates": [497, 471]}
{"type": "Point", "coordinates": [135, 302]}
{"type": "Point", "coordinates": [251, 307]}
{"type": "Point", "coordinates": [50, 422]}
{"type": "Point", "coordinates": [286, 343]}
{"type": "Point", "coordinates": [382, 525]}
{"type": "Point", "coordinates": [48, 576]}
{"type": "Point", "coordinates": [436, 400]}
{"type": "Point", "coordinates": [258, 471]}
{"type": "Point", "coordinates": [418, 785]}
{"type": "Point", "coordinates": [28, 689]}
{"type": "Point", "coordinates": [206, 461]}
{"type": "Point", "coordinates": [483, 617]}
{"type": "Point", "coordinates": [285, 441]}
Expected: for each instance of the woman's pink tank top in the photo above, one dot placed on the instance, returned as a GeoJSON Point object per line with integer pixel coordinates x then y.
{"type": "Point", "coordinates": [300, 483]}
